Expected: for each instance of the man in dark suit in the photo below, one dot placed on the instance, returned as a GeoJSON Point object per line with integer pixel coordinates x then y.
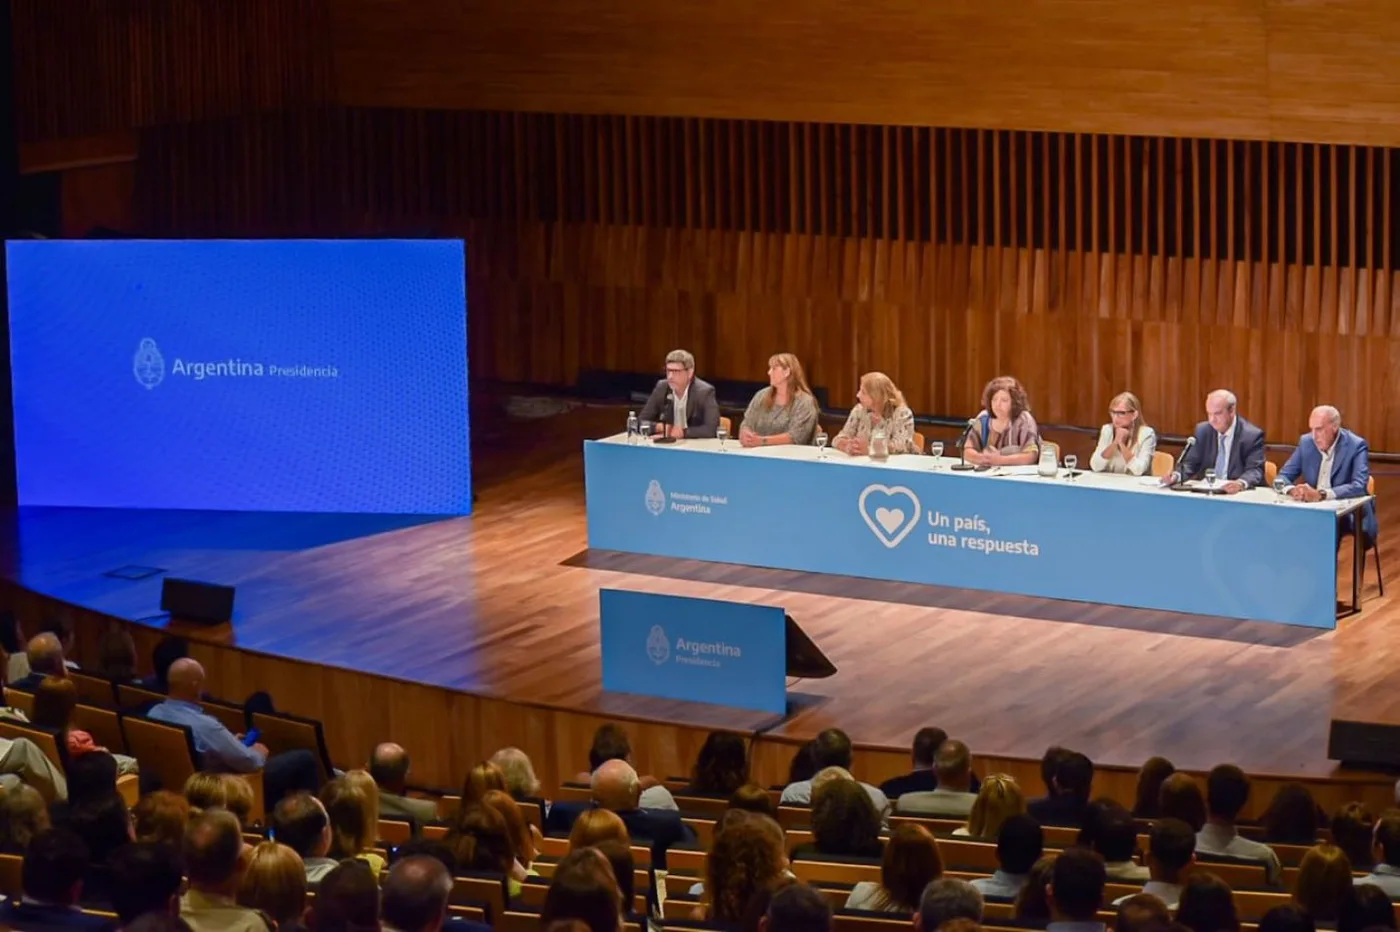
{"type": "Point", "coordinates": [52, 878]}
{"type": "Point", "coordinates": [616, 786]}
{"type": "Point", "coordinates": [1227, 443]}
{"type": "Point", "coordinates": [688, 403]}
{"type": "Point", "coordinates": [1331, 462]}
{"type": "Point", "coordinates": [1071, 779]}
{"type": "Point", "coordinates": [388, 765]}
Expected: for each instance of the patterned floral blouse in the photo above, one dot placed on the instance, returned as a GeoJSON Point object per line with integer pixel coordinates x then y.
{"type": "Point", "coordinates": [797, 418]}
{"type": "Point", "coordinates": [899, 428]}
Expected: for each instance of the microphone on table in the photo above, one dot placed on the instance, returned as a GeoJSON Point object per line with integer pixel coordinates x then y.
{"type": "Point", "coordinates": [670, 405]}
{"type": "Point", "coordinates": [1190, 442]}
{"type": "Point", "coordinates": [964, 465]}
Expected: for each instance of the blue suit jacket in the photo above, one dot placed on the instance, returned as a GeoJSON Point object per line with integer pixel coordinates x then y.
{"type": "Point", "coordinates": [1351, 469]}
{"type": "Point", "coordinates": [1246, 454]}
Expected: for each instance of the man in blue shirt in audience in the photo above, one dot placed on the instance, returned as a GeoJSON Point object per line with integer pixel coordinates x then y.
{"type": "Point", "coordinates": [220, 750]}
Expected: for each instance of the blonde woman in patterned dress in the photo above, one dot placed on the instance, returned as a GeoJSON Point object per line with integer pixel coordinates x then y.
{"type": "Point", "coordinates": [785, 411]}
{"type": "Point", "coordinates": [880, 404]}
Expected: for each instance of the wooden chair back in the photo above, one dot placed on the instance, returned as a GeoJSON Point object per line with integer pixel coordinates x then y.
{"type": "Point", "coordinates": [486, 889]}
{"type": "Point", "coordinates": [46, 739]}
{"type": "Point", "coordinates": [1270, 472]}
{"type": "Point", "coordinates": [94, 690]}
{"type": "Point", "coordinates": [283, 732]}
{"type": "Point", "coordinates": [1162, 462]}
{"type": "Point", "coordinates": [920, 443]}
{"type": "Point", "coordinates": [166, 751]}
{"type": "Point", "coordinates": [393, 832]}
{"type": "Point", "coordinates": [11, 875]}
{"type": "Point", "coordinates": [103, 724]}
{"type": "Point", "coordinates": [726, 425]}
{"type": "Point", "coordinates": [229, 715]}
{"type": "Point", "coordinates": [20, 700]}
{"type": "Point", "coordinates": [130, 696]}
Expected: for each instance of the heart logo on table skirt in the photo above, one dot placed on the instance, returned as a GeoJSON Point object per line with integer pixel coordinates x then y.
{"type": "Point", "coordinates": [890, 513]}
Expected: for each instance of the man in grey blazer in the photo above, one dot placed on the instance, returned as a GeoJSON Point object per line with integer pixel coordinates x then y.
{"type": "Point", "coordinates": [389, 767]}
{"type": "Point", "coordinates": [1227, 443]}
{"type": "Point", "coordinates": [693, 411]}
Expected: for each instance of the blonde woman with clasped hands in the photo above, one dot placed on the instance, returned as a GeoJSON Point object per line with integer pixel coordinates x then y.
{"type": "Point", "coordinates": [1126, 444]}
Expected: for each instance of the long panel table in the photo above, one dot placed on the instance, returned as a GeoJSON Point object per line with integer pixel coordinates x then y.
{"type": "Point", "coordinates": [1094, 538]}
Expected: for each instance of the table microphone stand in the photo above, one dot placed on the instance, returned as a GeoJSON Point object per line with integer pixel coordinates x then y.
{"type": "Point", "coordinates": [963, 465]}
{"type": "Point", "coordinates": [665, 437]}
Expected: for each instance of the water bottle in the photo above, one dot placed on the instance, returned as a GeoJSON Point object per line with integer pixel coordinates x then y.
{"type": "Point", "coordinates": [632, 427]}
{"type": "Point", "coordinates": [879, 443]}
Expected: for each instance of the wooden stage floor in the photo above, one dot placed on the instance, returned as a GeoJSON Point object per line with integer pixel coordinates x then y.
{"type": "Point", "coordinates": [504, 603]}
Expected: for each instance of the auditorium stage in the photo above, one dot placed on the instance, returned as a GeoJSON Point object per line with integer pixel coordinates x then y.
{"type": "Point", "coordinates": [504, 604]}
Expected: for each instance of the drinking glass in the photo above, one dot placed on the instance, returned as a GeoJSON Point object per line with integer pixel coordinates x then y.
{"type": "Point", "coordinates": [935, 450]}
{"type": "Point", "coordinates": [1210, 479]}
{"type": "Point", "coordinates": [1280, 484]}
{"type": "Point", "coordinates": [646, 431]}
{"type": "Point", "coordinates": [722, 434]}
{"type": "Point", "coordinates": [1071, 464]}
{"type": "Point", "coordinates": [821, 443]}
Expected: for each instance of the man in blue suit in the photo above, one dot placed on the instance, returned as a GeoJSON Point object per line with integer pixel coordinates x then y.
{"type": "Point", "coordinates": [1227, 443]}
{"type": "Point", "coordinates": [1331, 462]}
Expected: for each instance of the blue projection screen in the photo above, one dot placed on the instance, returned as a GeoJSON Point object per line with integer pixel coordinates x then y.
{"type": "Point", "coordinates": [326, 376]}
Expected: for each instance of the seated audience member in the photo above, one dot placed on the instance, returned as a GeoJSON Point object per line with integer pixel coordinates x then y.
{"type": "Point", "coordinates": [1149, 786]}
{"type": "Point", "coordinates": [584, 888]}
{"type": "Point", "coordinates": [954, 797]}
{"type": "Point", "coordinates": [103, 823]}
{"type": "Point", "coordinates": [55, 700]}
{"type": "Point", "coordinates": [23, 815]}
{"type": "Point", "coordinates": [999, 798]}
{"type": "Point", "coordinates": [911, 862]}
{"type": "Point", "coordinates": [1181, 798]}
{"type": "Point", "coordinates": [1292, 817]}
{"type": "Point", "coordinates": [922, 778]}
{"type": "Point", "coordinates": [1227, 791]}
{"type": "Point", "coordinates": [624, 868]}
{"type": "Point", "coordinates": [610, 742]}
{"type": "Point", "coordinates": [482, 779]}
{"type": "Point", "coordinates": [1331, 462]}
{"type": "Point", "coordinates": [1115, 839]}
{"type": "Point", "coordinates": [1286, 919]}
{"type": "Point", "coordinates": [348, 900]}
{"type": "Point", "coordinates": [1070, 783]}
{"type": "Point", "coordinates": [116, 654]}
{"type": "Point", "coordinates": [1353, 830]}
{"type": "Point", "coordinates": [1171, 849]}
{"type": "Point", "coordinates": [685, 403]}
{"type": "Point", "coordinates": [388, 765]}
{"type": "Point", "coordinates": [844, 822]}
{"type": "Point", "coordinates": [1076, 890]}
{"type": "Point", "coordinates": [597, 825]}
{"type": "Point", "coordinates": [1226, 443]}
{"type": "Point", "coordinates": [1366, 907]}
{"type": "Point", "coordinates": [522, 841]}
{"type": "Point", "coordinates": [797, 907]}
{"type": "Point", "coordinates": [221, 750]}
{"type": "Point", "coordinates": [785, 412]}
{"type": "Point", "coordinates": [480, 841]}
{"type": "Point", "coordinates": [168, 649]}
{"type": "Point", "coordinates": [1126, 443]}
{"type": "Point", "coordinates": [222, 791]}
{"type": "Point", "coordinates": [1020, 844]}
{"type": "Point", "coordinates": [1141, 912]}
{"type": "Point", "coordinates": [831, 748]}
{"type": "Point", "coordinates": [1207, 904]}
{"type": "Point", "coordinates": [161, 817]}
{"type": "Point", "coordinates": [944, 900]}
{"type": "Point", "coordinates": [721, 767]}
{"type": "Point", "coordinates": [1033, 903]}
{"type": "Point", "coordinates": [616, 786]}
{"type": "Point", "coordinates": [52, 879]}
{"type": "Point", "coordinates": [212, 849]}
{"type": "Point", "coordinates": [352, 804]}
{"type": "Point", "coordinates": [519, 773]}
{"type": "Point", "coordinates": [745, 857]}
{"type": "Point", "coordinates": [12, 643]}
{"type": "Point", "coordinates": [300, 822]}
{"type": "Point", "coordinates": [1385, 854]}
{"type": "Point", "coordinates": [45, 653]}
{"type": "Point", "coordinates": [146, 878]}
{"type": "Point", "coordinates": [753, 798]}
{"type": "Point", "coordinates": [1003, 432]}
{"type": "Point", "coordinates": [803, 767]}
{"type": "Point", "coordinates": [1323, 882]}
{"type": "Point", "coordinates": [879, 406]}
{"type": "Point", "coordinates": [274, 883]}
{"type": "Point", "coordinates": [415, 894]}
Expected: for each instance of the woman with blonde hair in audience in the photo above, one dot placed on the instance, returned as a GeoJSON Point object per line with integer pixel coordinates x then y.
{"type": "Point", "coordinates": [1003, 432]}
{"type": "Point", "coordinates": [998, 800]}
{"type": "Point", "coordinates": [521, 841]}
{"type": "Point", "coordinates": [584, 888]}
{"type": "Point", "coordinates": [784, 412]}
{"type": "Point", "coordinates": [223, 790]}
{"type": "Point", "coordinates": [1323, 882]}
{"type": "Point", "coordinates": [911, 862]}
{"type": "Point", "coordinates": [274, 881]}
{"type": "Point", "coordinates": [517, 772]}
{"type": "Point", "coordinates": [744, 858]}
{"type": "Point", "coordinates": [596, 825]}
{"type": "Point", "coordinates": [1149, 786]}
{"type": "Point", "coordinates": [1031, 903]}
{"type": "Point", "coordinates": [879, 404]}
{"type": "Point", "coordinates": [161, 816]}
{"type": "Point", "coordinates": [1207, 904]}
{"type": "Point", "coordinates": [23, 814]}
{"type": "Point", "coordinates": [1126, 444]}
{"type": "Point", "coordinates": [481, 779]}
{"type": "Point", "coordinates": [353, 811]}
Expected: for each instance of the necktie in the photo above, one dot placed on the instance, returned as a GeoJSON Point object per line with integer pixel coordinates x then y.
{"type": "Point", "coordinates": [1222, 459]}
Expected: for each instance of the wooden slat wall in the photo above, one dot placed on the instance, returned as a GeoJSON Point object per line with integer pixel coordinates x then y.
{"type": "Point", "coordinates": [1083, 264]}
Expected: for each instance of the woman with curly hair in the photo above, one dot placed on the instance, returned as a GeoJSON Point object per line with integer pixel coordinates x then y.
{"type": "Point", "coordinates": [721, 767]}
{"type": "Point", "coordinates": [1003, 432]}
{"type": "Point", "coordinates": [844, 821]}
{"type": "Point", "coordinates": [747, 856]}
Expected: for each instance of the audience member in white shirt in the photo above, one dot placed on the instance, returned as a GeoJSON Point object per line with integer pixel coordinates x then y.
{"type": "Point", "coordinates": [1386, 849]}
{"type": "Point", "coordinates": [1171, 849]}
{"type": "Point", "coordinates": [1227, 791]}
